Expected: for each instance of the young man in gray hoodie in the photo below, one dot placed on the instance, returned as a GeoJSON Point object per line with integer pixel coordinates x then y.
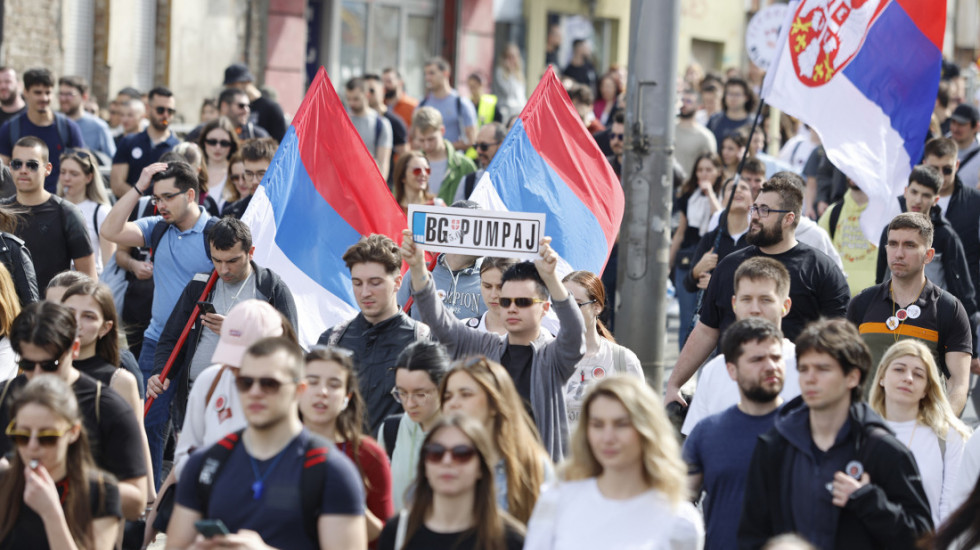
{"type": "Point", "coordinates": [538, 363]}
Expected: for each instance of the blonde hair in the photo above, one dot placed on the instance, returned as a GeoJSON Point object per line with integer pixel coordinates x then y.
{"type": "Point", "coordinates": [426, 119]}
{"type": "Point", "coordinates": [934, 409]}
{"type": "Point", "coordinates": [663, 468]}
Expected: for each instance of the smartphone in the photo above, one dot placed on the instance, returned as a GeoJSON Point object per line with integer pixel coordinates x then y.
{"type": "Point", "coordinates": [211, 527]}
{"type": "Point", "coordinates": [206, 307]}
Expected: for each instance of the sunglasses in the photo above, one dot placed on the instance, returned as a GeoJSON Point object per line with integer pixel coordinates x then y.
{"type": "Point", "coordinates": [166, 110]}
{"type": "Point", "coordinates": [519, 302]}
{"type": "Point", "coordinates": [618, 137]}
{"type": "Point", "coordinates": [243, 105]}
{"type": "Point", "coordinates": [418, 171]}
{"type": "Point", "coordinates": [434, 453]}
{"type": "Point", "coordinates": [46, 438]}
{"type": "Point", "coordinates": [267, 385]}
{"type": "Point", "coordinates": [47, 366]}
{"type": "Point", "coordinates": [485, 146]}
{"type": "Point", "coordinates": [947, 170]}
{"type": "Point", "coordinates": [32, 165]}
{"type": "Point", "coordinates": [215, 142]}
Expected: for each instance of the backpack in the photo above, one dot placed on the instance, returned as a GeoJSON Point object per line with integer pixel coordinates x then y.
{"type": "Point", "coordinates": [312, 478]}
{"type": "Point", "coordinates": [156, 235]}
{"type": "Point", "coordinates": [389, 432]}
{"type": "Point", "coordinates": [60, 121]}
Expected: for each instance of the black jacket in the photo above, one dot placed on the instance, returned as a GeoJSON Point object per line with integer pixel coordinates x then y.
{"type": "Point", "coordinates": [725, 247]}
{"type": "Point", "coordinates": [266, 282]}
{"type": "Point", "coordinates": [963, 214]}
{"type": "Point", "coordinates": [952, 258]}
{"type": "Point", "coordinates": [892, 511]}
{"type": "Point", "coordinates": [17, 259]}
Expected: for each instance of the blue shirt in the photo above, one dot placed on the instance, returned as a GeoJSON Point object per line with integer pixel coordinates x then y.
{"type": "Point", "coordinates": [453, 108]}
{"type": "Point", "coordinates": [276, 514]}
{"type": "Point", "coordinates": [178, 257]}
{"type": "Point", "coordinates": [96, 134]}
{"type": "Point", "coordinates": [49, 135]}
{"type": "Point", "coordinates": [138, 151]}
{"type": "Point", "coordinates": [720, 448]}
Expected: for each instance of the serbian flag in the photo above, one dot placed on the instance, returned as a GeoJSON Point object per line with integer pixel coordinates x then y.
{"type": "Point", "coordinates": [864, 75]}
{"type": "Point", "coordinates": [321, 194]}
{"type": "Point", "coordinates": [549, 163]}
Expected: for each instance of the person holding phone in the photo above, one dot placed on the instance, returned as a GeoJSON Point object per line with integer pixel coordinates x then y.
{"type": "Point", "coordinates": [52, 496]}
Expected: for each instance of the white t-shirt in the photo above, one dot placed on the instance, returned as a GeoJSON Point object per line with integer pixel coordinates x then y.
{"type": "Point", "coordinates": [593, 367]}
{"type": "Point", "coordinates": [939, 473]}
{"type": "Point", "coordinates": [717, 391]}
{"type": "Point", "coordinates": [8, 360]}
{"type": "Point", "coordinates": [206, 423]}
{"type": "Point", "coordinates": [87, 208]}
{"type": "Point", "coordinates": [969, 471]}
{"type": "Point", "coordinates": [575, 515]}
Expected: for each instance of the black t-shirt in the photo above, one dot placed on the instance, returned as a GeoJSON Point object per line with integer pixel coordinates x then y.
{"type": "Point", "coordinates": [426, 539]}
{"type": "Point", "coordinates": [817, 288]}
{"type": "Point", "coordinates": [54, 231]}
{"type": "Point", "coordinates": [113, 434]}
{"type": "Point", "coordinates": [517, 361]}
{"type": "Point", "coordinates": [97, 368]}
{"type": "Point", "coordinates": [268, 114]}
{"type": "Point", "coordinates": [28, 530]}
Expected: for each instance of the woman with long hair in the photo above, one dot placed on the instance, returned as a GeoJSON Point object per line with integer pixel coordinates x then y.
{"type": "Point", "coordinates": [411, 181]}
{"type": "Point", "coordinates": [219, 141]}
{"type": "Point", "coordinates": [482, 389]}
{"type": "Point", "coordinates": [732, 149]}
{"type": "Point", "coordinates": [961, 530]}
{"type": "Point", "coordinates": [734, 225]}
{"type": "Point", "coordinates": [454, 507]}
{"type": "Point", "coordinates": [605, 105]}
{"type": "Point", "coordinates": [239, 187]}
{"type": "Point", "coordinates": [9, 310]}
{"type": "Point", "coordinates": [491, 276]}
{"type": "Point", "coordinates": [52, 495]}
{"type": "Point", "coordinates": [603, 356]}
{"type": "Point", "coordinates": [80, 183]}
{"type": "Point", "coordinates": [624, 485]}
{"type": "Point", "coordinates": [908, 393]}
{"type": "Point", "coordinates": [333, 408]}
{"type": "Point", "coordinates": [696, 201]}
{"type": "Point", "coordinates": [508, 82]}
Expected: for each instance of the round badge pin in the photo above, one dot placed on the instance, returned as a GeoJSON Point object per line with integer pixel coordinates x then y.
{"type": "Point", "coordinates": [854, 469]}
{"type": "Point", "coordinates": [902, 314]}
{"type": "Point", "coordinates": [914, 311]}
{"type": "Point", "coordinates": [891, 323]}
{"type": "Point", "coordinates": [136, 153]}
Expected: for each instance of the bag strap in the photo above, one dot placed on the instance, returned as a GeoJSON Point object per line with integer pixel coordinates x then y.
{"type": "Point", "coordinates": [402, 529]}
{"type": "Point", "coordinates": [619, 359]}
{"type": "Point", "coordinates": [98, 401]}
{"type": "Point", "coordinates": [378, 127]}
{"type": "Point", "coordinates": [967, 159]}
{"type": "Point", "coordinates": [389, 432]}
{"type": "Point", "coordinates": [835, 210]}
{"type": "Point", "coordinates": [214, 384]}
{"type": "Point", "coordinates": [214, 458]}
{"type": "Point", "coordinates": [95, 222]}
{"type": "Point", "coordinates": [337, 332]}
{"type": "Point", "coordinates": [3, 392]}
{"type": "Point", "coordinates": [61, 123]}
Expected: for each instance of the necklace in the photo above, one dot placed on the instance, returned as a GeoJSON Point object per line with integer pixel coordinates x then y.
{"type": "Point", "coordinates": [898, 316]}
{"type": "Point", "coordinates": [234, 298]}
{"type": "Point", "coordinates": [258, 487]}
{"type": "Point", "coordinates": [911, 437]}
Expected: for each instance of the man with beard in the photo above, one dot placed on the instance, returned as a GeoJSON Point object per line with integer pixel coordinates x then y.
{"type": "Point", "coordinates": [137, 151]}
{"type": "Point", "coordinates": [761, 292]}
{"type": "Point", "coordinates": [11, 103]}
{"type": "Point", "coordinates": [818, 288]}
{"type": "Point", "coordinates": [909, 305]}
{"type": "Point", "coordinates": [395, 97]}
{"type": "Point", "coordinates": [691, 139]}
{"type": "Point", "coordinates": [488, 140]}
{"type": "Point", "coordinates": [719, 450]}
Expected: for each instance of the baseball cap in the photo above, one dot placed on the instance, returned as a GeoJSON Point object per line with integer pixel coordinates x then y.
{"type": "Point", "coordinates": [238, 73]}
{"type": "Point", "coordinates": [965, 114]}
{"type": "Point", "coordinates": [246, 323]}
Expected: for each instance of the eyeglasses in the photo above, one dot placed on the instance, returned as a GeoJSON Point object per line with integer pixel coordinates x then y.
{"type": "Point", "coordinates": [421, 396]}
{"type": "Point", "coordinates": [78, 155]}
{"type": "Point", "coordinates": [266, 384]}
{"type": "Point", "coordinates": [218, 142]}
{"type": "Point", "coordinates": [254, 175]}
{"type": "Point", "coordinates": [616, 137]}
{"type": "Point", "coordinates": [32, 165]}
{"type": "Point", "coordinates": [519, 302]}
{"type": "Point", "coordinates": [418, 171]}
{"type": "Point", "coordinates": [583, 304]}
{"type": "Point", "coordinates": [485, 146]}
{"type": "Point", "coordinates": [763, 211]}
{"type": "Point", "coordinates": [47, 366]}
{"type": "Point", "coordinates": [166, 197]}
{"type": "Point", "coordinates": [434, 453]}
{"type": "Point", "coordinates": [45, 438]}
{"type": "Point", "coordinates": [165, 110]}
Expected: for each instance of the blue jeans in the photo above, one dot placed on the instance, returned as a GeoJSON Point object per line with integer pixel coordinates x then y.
{"type": "Point", "coordinates": [157, 420]}
{"type": "Point", "coordinates": [686, 302]}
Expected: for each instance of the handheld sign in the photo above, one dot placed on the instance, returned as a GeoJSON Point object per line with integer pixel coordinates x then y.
{"type": "Point", "coordinates": [476, 232]}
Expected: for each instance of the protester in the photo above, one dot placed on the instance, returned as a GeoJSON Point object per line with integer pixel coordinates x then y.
{"type": "Point", "coordinates": [80, 183]}
{"type": "Point", "coordinates": [375, 130]}
{"type": "Point", "coordinates": [454, 504]}
{"type": "Point", "coordinates": [448, 166]}
{"type": "Point", "coordinates": [458, 113]}
{"type": "Point", "coordinates": [219, 141]}
{"type": "Point", "coordinates": [737, 104]}
{"type": "Point", "coordinates": [732, 149]}
{"type": "Point", "coordinates": [257, 155]}
{"type": "Point", "coordinates": [52, 496]}
{"type": "Point", "coordinates": [624, 483]}
{"type": "Point", "coordinates": [411, 181]}
{"type": "Point", "coordinates": [332, 408]}
{"type": "Point", "coordinates": [491, 274]}
{"type": "Point", "coordinates": [508, 82]}
{"type": "Point", "coordinates": [481, 389]}
{"type": "Point", "coordinates": [9, 309]}
{"type": "Point", "coordinates": [419, 371]}
{"type": "Point", "coordinates": [734, 227]}
{"type": "Point", "coordinates": [606, 106]}
{"type": "Point", "coordinates": [908, 393]}
{"type": "Point", "coordinates": [237, 188]}
{"type": "Point", "coordinates": [137, 151]}
{"type": "Point", "coordinates": [395, 97]}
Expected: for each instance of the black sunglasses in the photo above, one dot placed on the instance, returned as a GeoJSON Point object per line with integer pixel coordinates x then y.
{"type": "Point", "coordinates": [46, 366]}
{"type": "Point", "coordinates": [485, 146]}
{"type": "Point", "coordinates": [221, 142]}
{"type": "Point", "coordinates": [616, 136]}
{"type": "Point", "coordinates": [32, 165]}
{"type": "Point", "coordinates": [167, 110]}
{"type": "Point", "coordinates": [434, 453]}
{"type": "Point", "coordinates": [519, 302]}
{"type": "Point", "coordinates": [266, 384]}
{"type": "Point", "coordinates": [947, 170]}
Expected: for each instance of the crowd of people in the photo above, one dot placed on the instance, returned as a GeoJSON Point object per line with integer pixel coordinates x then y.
{"type": "Point", "coordinates": [476, 402]}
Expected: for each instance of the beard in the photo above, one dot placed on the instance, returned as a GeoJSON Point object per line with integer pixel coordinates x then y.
{"type": "Point", "coordinates": [759, 394]}
{"type": "Point", "coordinates": [390, 94]}
{"type": "Point", "coordinates": [765, 236]}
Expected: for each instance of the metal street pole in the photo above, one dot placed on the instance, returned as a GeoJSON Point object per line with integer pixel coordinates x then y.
{"type": "Point", "coordinates": [641, 321]}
